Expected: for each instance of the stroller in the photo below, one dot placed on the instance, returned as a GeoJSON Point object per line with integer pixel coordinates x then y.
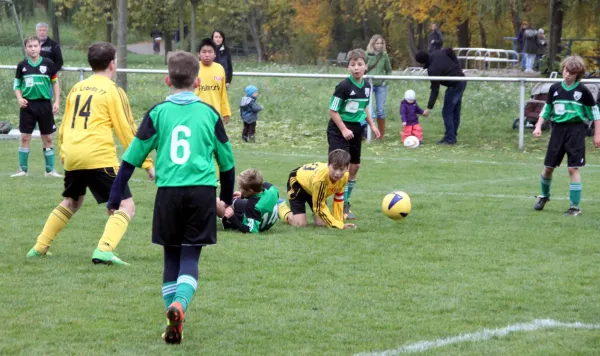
{"type": "Point", "coordinates": [539, 95]}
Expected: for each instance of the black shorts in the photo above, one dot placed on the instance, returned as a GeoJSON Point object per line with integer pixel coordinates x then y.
{"type": "Point", "coordinates": [238, 207]}
{"type": "Point", "coordinates": [99, 181]}
{"type": "Point", "coordinates": [185, 216]}
{"type": "Point", "coordinates": [297, 196]}
{"type": "Point", "coordinates": [336, 139]}
{"type": "Point", "coordinates": [569, 139]}
{"type": "Point", "coordinates": [40, 112]}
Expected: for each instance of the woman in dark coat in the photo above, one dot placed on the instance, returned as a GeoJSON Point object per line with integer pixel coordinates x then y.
{"type": "Point", "coordinates": [223, 55]}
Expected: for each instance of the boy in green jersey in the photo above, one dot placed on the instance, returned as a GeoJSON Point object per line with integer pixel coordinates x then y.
{"type": "Point", "coordinates": [347, 108]}
{"type": "Point", "coordinates": [187, 135]}
{"type": "Point", "coordinates": [568, 105]}
{"type": "Point", "coordinates": [254, 207]}
{"type": "Point", "coordinates": [34, 82]}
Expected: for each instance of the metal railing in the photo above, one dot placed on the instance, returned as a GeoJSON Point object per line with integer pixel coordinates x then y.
{"type": "Point", "coordinates": [521, 81]}
{"type": "Point", "coordinates": [486, 57]}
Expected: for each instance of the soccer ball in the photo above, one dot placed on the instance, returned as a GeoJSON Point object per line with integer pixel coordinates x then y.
{"type": "Point", "coordinates": [396, 205]}
{"type": "Point", "coordinates": [411, 142]}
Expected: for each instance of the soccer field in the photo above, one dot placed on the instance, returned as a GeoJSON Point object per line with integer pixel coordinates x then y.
{"type": "Point", "coordinates": [467, 273]}
{"type": "Point", "coordinates": [472, 255]}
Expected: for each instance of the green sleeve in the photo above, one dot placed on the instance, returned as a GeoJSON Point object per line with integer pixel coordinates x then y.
{"type": "Point", "coordinates": [145, 141]}
{"type": "Point", "coordinates": [546, 111]}
{"type": "Point", "coordinates": [591, 112]}
{"type": "Point", "coordinates": [388, 65]}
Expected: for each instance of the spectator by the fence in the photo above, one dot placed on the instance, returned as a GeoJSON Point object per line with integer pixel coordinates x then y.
{"type": "Point", "coordinates": [378, 63]}
{"type": "Point", "coordinates": [521, 44]}
{"type": "Point", "coordinates": [223, 55]}
{"type": "Point", "coordinates": [531, 47]}
{"type": "Point", "coordinates": [49, 48]}
{"type": "Point", "coordinates": [542, 47]}
{"type": "Point", "coordinates": [443, 63]}
{"type": "Point", "coordinates": [436, 40]}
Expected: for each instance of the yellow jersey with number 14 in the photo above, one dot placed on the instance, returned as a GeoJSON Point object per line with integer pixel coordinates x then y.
{"type": "Point", "coordinates": [314, 179]}
{"type": "Point", "coordinates": [94, 107]}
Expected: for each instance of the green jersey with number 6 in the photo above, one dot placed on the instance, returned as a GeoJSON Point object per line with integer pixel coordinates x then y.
{"type": "Point", "coordinates": [187, 135]}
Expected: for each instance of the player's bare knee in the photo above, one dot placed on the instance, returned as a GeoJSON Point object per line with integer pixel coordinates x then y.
{"type": "Point", "coordinates": [573, 171]}
{"type": "Point", "coordinates": [354, 169]}
{"type": "Point", "coordinates": [25, 140]}
{"type": "Point", "coordinates": [47, 140]}
{"type": "Point", "coordinates": [547, 172]}
{"type": "Point", "coordinates": [298, 221]}
{"type": "Point", "coordinates": [128, 207]}
{"type": "Point", "coordinates": [72, 204]}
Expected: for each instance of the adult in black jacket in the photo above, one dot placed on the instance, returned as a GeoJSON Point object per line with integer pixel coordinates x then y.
{"type": "Point", "coordinates": [49, 48]}
{"type": "Point", "coordinates": [223, 55]}
{"type": "Point", "coordinates": [443, 63]}
{"type": "Point", "coordinates": [436, 39]}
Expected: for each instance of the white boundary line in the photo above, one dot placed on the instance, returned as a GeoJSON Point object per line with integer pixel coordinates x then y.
{"type": "Point", "coordinates": [482, 335]}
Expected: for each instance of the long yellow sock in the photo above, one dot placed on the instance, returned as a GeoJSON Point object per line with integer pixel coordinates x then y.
{"type": "Point", "coordinates": [115, 228]}
{"type": "Point", "coordinates": [57, 220]}
{"type": "Point", "coordinates": [284, 211]}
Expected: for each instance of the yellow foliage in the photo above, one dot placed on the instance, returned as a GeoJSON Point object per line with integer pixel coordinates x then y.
{"type": "Point", "coordinates": [313, 18]}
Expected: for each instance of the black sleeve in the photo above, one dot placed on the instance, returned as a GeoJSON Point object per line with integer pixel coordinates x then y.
{"type": "Point", "coordinates": [227, 179]}
{"type": "Point", "coordinates": [19, 73]}
{"type": "Point", "coordinates": [58, 58]}
{"type": "Point", "coordinates": [118, 187]}
{"type": "Point", "coordinates": [229, 73]}
{"type": "Point", "coordinates": [146, 129]}
{"type": "Point", "coordinates": [450, 53]}
{"type": "Point", "coordinates": [587, 98]}
{"type": "Point", "coordinates": [435, 90]}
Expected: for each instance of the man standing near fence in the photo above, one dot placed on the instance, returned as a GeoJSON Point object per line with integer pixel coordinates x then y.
{"type": "Point", "coordinates": [443, 63]}
{"type": "Point", "coordinates": [436, 40]}
{"type": "Point", "coordinates": [49, 48]}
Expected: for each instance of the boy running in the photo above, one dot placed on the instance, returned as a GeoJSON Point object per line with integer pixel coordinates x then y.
{"type": "Point", "coordinates": [347, 109]}
{"type": "Point", "coordinates": [568, 105]}
{"type": "Point", "coordinates": [311, 184]}
{"type": "Point", "coordinates": [186, 134]}
{"type": "Point", "coordinates": [34, 80]}
{"type": "Point", "coordinates": [95, 106]}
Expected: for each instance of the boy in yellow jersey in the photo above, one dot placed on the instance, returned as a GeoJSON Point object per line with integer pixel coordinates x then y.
{"type": "Point", "coordinates": [95, 106]}
{"type": "Point", "coordinates": [312, 184]}
{"type": "Point", "coordinates": [212, 89]}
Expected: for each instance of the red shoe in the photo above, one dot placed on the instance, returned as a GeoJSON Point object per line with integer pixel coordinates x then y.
{"type": "Point", "coordinates": [175, 317]}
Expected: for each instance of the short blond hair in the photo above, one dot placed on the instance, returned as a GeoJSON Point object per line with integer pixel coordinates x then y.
{"type": "Point", "coordinates": [250, 179]}
{"type": "Point", "coordinates": [574, 65]}
{"type": "Point", "coordinates": [357, 54]}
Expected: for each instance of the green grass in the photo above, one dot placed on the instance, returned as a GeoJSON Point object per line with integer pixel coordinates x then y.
{"type": "Point", "coordinates": [473, 254]}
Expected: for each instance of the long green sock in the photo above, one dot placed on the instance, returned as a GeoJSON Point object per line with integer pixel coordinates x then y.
{"type": "Point", "coordinates": [23, 158]}
{"type": "Point", "coordinates": [186, 287]}
{"type": "Point", "coordinates": [348, 190]}
{"type": "Point", "coordinates": [168, 292]}
{"type": "Point", "coordinates": [545, 183]}
{"type": "Point", "coordinates": [49, 156]}
{"type": "Point", "coordinates": [575, 193]}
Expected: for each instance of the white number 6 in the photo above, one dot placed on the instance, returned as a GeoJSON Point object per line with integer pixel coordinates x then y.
{"type": "Point", "coordinates": [183, 143]}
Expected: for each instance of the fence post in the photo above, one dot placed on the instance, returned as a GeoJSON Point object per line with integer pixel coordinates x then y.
{"type": "Point", "coordinates": [522, 115]}
{"type": "Point", "coordinates": [81, 74]}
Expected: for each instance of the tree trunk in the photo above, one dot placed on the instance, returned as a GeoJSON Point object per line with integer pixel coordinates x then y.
{"type": "Point", "coordinates": [556, 23]}
{"type": "Point", "coordinates": [482, 33]}
{"type": "Point", "coordinates": [181, 25]}
{"type": "Point", "coordinates": [516, 19]}
{"type": "Point", "coordinates": [254, 24]}
{"type": "Point", "coordinates": [122, 43]}
{"type": "Point", "coordinates": [115, 26]}
{"type": "Point", "coordinates": [463, 34]}
{"type": "Point", "coordinates": [54, 20]}
{"type": "Point", "coordinates": [193, 34]}
{"type": "Point", "coordinates": [168, 38]}
{"type": "Point", "coordinates": [109, 24]}
{"type": "Point", "coordinates": [365, 27]}
{"type": "Point", "coordinates": [412, 49]}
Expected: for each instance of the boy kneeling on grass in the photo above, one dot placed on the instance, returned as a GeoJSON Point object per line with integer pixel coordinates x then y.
{"type": "Point", "coordinates": [311, 184]}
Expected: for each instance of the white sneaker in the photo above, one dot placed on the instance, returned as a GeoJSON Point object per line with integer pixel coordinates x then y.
{"type": "Point", "coordinates": [20, 174]}
{"type": "Point", "coordinates": [54, 174]}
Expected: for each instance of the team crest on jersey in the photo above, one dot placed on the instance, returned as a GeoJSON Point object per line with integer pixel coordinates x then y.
{"type": "Point", "coordinates": [367, 91]}
{"type": "Point", "coordinates": [577, 95]}
{"type": "Point", "coordinates": [43, 69]}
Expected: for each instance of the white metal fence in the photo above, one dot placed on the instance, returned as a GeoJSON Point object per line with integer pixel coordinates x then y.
{"type": "Point", "coordinates": [521, 81]}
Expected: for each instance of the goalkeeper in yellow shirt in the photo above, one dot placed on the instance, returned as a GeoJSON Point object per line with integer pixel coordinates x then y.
{"type": "Point", "coordinates": [94, 107]}
{"type": "Point", "coordinates": [311, 184]}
